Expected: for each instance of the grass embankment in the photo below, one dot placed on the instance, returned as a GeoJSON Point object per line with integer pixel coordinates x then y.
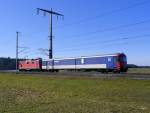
{"type": "Point", "coordinates": [139, 70]}
{"type": "Point", "coordinates": [30, 94]}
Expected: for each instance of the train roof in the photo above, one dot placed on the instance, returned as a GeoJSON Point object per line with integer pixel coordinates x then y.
{"type": "Point", "coordinates": [104, 55]}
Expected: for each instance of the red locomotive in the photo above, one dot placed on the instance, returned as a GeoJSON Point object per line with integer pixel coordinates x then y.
{"type": "Point", "coordinates": [33, 64]}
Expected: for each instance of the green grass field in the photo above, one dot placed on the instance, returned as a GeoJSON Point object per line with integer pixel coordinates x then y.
{"type": "Point", "coordinates": [41, 94]}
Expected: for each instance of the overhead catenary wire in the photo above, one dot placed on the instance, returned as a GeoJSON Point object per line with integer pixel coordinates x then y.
{"type": "Point", "coordinates": [95, 50]}
{"type": "Point", "coordinates": [109, 29]}
{"type": "Point", "coordinates": [97, 42]}
{"type": "Point", "coordinates": [107, 13]}
{"type": "Point", "coordinates": [112, 40]}
{"type": "Point", "coordinates": [87, 46]}
{"type": "Point", "coordinates": [98, 16]}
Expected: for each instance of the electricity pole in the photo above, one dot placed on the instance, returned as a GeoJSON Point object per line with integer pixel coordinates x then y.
{"type": "Point", "coordinates": [17, 33]}
{"type": "Point", "coordinates": [51, 13]}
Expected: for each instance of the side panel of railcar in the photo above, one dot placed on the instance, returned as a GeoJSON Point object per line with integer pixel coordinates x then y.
{"type": "Point", "coordinates": [111, 62]}
{"type": "Point", "coordinates": [65, 64]}
{"type": "Point", "coordinates": [96, 63]}
{"type": "Point", "coordinates": [47, 65]}
{"type": "Point", "coordinates": [91, 63]}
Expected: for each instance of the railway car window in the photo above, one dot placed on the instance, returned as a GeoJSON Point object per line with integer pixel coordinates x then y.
{"type": "Point", "coordinates": [109, 59]}
{"type": "Point", "coordinates": [82, 61]}
{"type": "Point", "coordinates": [56, 61]}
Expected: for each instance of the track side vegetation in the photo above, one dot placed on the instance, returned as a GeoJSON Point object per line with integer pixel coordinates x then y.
{"type": "Point", "coordinates": [139, 70]}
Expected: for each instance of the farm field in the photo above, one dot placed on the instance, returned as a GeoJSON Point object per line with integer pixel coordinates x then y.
{"type": "Point", "coordinates": [45, 94]}
{"type": "Point", "coordinates": [139, 70]}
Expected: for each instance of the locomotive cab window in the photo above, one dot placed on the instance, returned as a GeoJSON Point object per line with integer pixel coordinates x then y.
{"type": "Point", "coordinates": [123, 59]}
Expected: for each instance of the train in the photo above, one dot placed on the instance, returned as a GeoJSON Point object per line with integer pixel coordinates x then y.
{"type": "Point", "coordinates": [103, 63]}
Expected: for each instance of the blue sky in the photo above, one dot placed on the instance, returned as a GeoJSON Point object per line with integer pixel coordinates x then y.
{"type": "Point", "coordinates": [89, 28]}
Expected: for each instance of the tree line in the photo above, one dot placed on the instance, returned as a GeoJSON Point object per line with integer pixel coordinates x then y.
{"type": "Point", "coordinates": [7, 63]}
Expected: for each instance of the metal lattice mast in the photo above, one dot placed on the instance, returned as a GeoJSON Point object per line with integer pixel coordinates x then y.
{"type": "Point", "coordinates": [51, 28]}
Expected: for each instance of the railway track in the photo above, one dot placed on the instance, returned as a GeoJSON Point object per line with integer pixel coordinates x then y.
{"type": "Point", "coordinates": [144, 76]}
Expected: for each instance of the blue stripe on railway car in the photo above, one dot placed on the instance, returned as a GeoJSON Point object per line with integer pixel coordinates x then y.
{"type": "Point", "coordinates": [110, 61]}
{"type": "Point", "coordinates": [50, 62]}
{"type": "Point", "coordinates": [64, 62]}
{"type": "Point", "coordinates": [85, 61]}
{"type": "Point", "coordinates": [45, 63]}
